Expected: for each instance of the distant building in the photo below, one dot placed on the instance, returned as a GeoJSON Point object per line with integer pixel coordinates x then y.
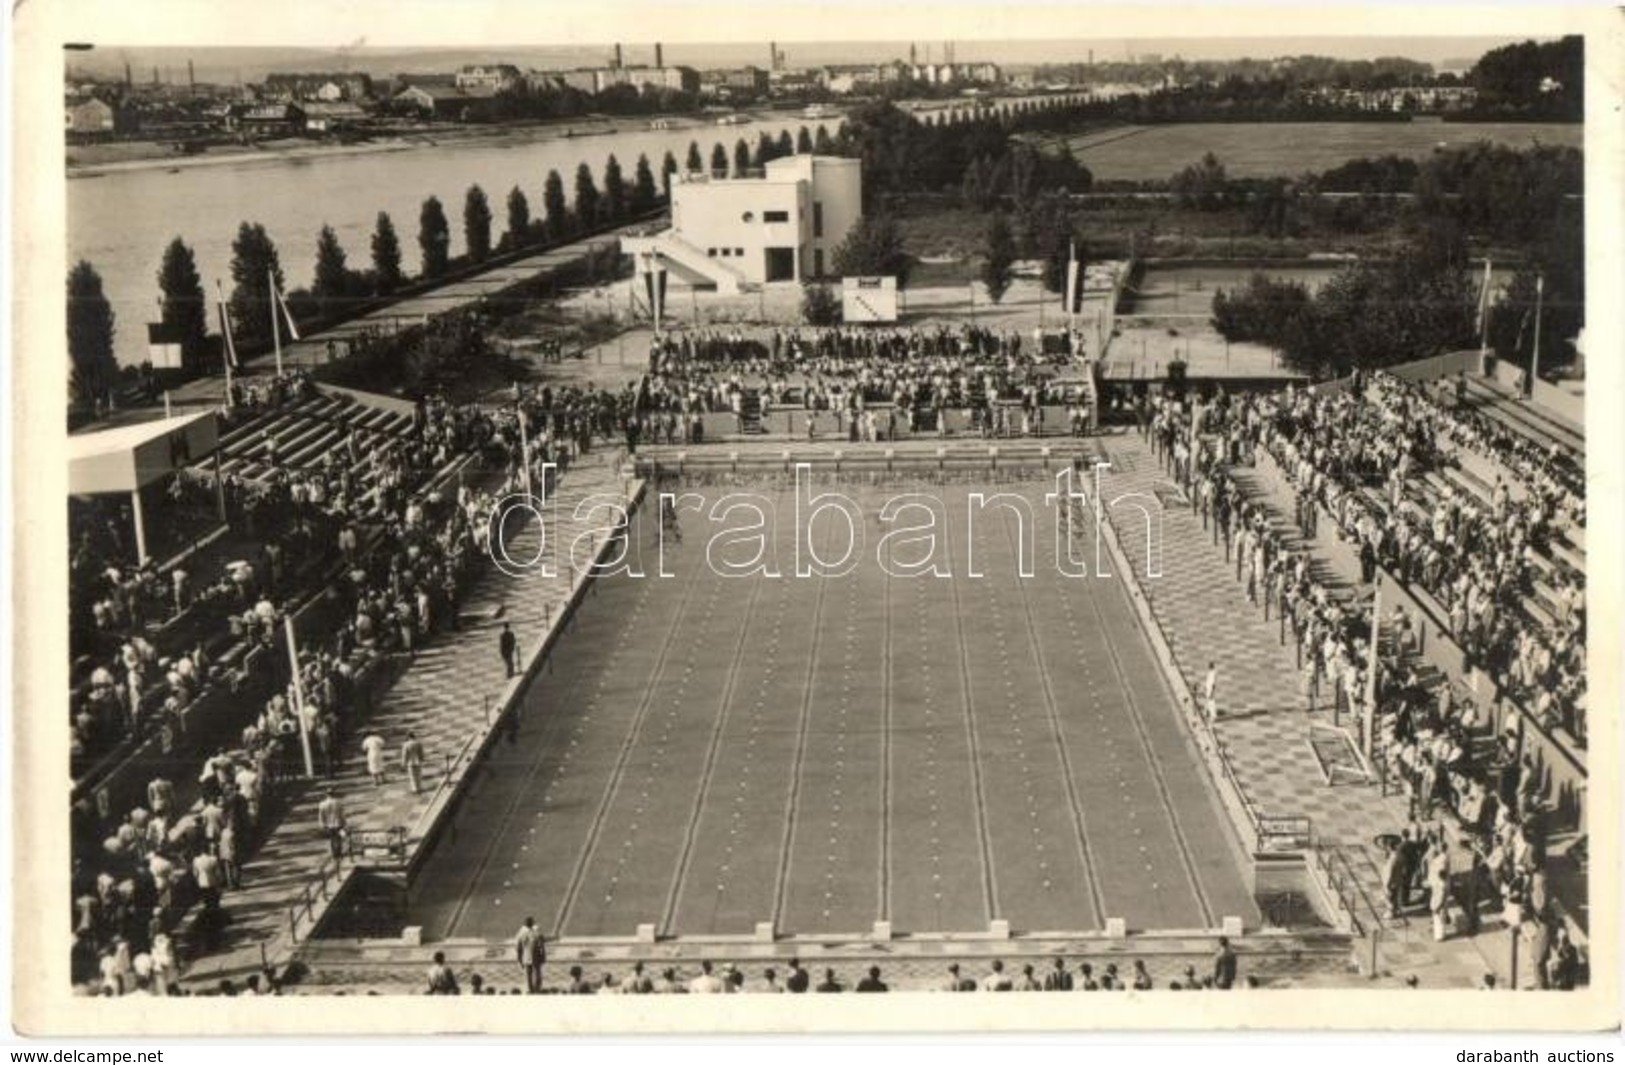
{"type": "Point", "coordinates": [750, 80]}
{"type": "Point", "coordinates": [645, 79]}
{"type": "Point", "coordinates": [324, 117]}
{"type": "Point", "coordinates": [594, 80]}
{"type": "Point", "coordinates": [581, 80]}
{"type": "Point", "coordinates": [782, 225]}
{"type": "Point", "coordinates": [496, 77]}
{"type": "Point", "coordinates": [447, 103]}
{"type": "Point", "coordinates": [792, 81]}
{"type": "Point", "coordinates": [271, 120]}
{"type": "Point", "coordinates": [91, 117]}
{"type": "Point", "coordinates": [326, 87]}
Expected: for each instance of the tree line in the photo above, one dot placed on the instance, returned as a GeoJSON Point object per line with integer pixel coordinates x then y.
{"type": "Point", "coordinates": [1519, 204]}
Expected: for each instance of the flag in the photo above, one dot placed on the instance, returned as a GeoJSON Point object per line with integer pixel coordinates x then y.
{"type": "Point", "coordinates": [1071, 301]}
{"type": "Point", "coordinates": [287, 315]}
{"type": "Point", "coordinates": [1484, 308]}
{"type": "Point", "coordinates": [225, 331]}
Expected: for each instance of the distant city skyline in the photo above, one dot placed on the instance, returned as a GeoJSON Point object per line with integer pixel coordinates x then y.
{"type": "Point", "coordinates": [229, 64]}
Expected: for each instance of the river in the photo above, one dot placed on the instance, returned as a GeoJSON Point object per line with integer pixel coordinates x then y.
{"type": "Point", "coordinates": [122, 220]}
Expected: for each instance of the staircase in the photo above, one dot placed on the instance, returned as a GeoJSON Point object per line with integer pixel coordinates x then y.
{"type": "Point", "coordinates": [689, 261]}
{"type": "Point", "coordinates": [750, 412]}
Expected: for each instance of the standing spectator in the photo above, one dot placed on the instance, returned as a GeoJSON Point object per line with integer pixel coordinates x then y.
{"type": "Point", "coordinates": [1563, 962]}
{"type": "Point", "coordinates": [373, 745]}
{"type": "Point", "coordinates": [796, 983]}
{"type": "Point", "coordinates": [639, 983]}
{"type": "Point", "coordinates": [442, 981]}
{"type": "Point", "coordinates": [530, 947]}
{"type": "Point", "coordinates": [707, 982]}
{"type": "Point", "coordinates": [829, 985]}
{"type": "Point", "coordinates": [1224, 965]}
{"type": "Point", "coordinates": [1058, 978]}
{"type": "Point", "coordinates": [1210, 688]}
{"type": "Point", "coordinates": [871, 983]}
{"type": "Point", "coordinates": [998, 979]}
{"type": "Point", "coordinates": [509, 646]}
{"type": "Point", "coordinates": [330, 816]}
{"type": "Point", "coordinates": [1439, 891]}
{"type": "Point", "coordinates": [412, 761]}
{"type": "Point", "coordinates": [229, 855]}
{"type": "Point", "coordinates": [770, 983]}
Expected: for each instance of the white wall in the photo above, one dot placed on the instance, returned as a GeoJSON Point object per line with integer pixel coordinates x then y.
{"type": "Point", "coordinates": [838, 185]}
{"type": "Point", "coordinates": [712, 214]}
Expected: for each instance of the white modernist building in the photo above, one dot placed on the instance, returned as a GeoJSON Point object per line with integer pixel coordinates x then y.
{"type": "Point", "coordinates": [781, 225]}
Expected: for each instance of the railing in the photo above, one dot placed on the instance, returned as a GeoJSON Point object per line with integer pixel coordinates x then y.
{"type": "Point", "coordinates": [302, 911]}
{"type": "Point", "coordinates": [1365, 919]}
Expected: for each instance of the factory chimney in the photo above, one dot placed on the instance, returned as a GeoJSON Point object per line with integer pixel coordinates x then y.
{"type": "Point", "coordinates": [617, 57]}
{"type": "Point", "coordinates": [191, 78]}
{"type": "Point", "coordinates": [772, 55]}
{"type": "Point", "coordinates": [659, 57]}
{"type": "Point", "coordinates": [129, 78]}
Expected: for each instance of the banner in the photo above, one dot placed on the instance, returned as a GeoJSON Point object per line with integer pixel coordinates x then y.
{"type": "Point", "coordinates": [654, 284]}
{"type": "Point", "coordinates": [287, 315]}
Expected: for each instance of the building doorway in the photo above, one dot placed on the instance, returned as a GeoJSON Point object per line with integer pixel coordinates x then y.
{"type": "Point", "coordinates": [781, 264]}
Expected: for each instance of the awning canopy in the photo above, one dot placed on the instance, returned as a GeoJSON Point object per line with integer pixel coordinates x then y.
{"type": "Point", "coordinates": [133, 456]}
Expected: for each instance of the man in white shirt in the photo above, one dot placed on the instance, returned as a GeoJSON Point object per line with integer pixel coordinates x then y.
{"type": "Point", "coordinates": [707, 983]}
{"type": "Point", "coordinates": [330, 818]}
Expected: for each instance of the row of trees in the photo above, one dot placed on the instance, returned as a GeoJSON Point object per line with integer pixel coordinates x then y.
{"type": "Point", "coordinates": [903, 153]}
{"type": "Point", "coordinates": [1520, 204]}
{"type": "Point", "coordinates": [1527, 80]}
{"type": "Point", "coordinates": [255, 258]}
{"type": "Point", "coordinates": [256, 261]}
{"type": "Point", "coordinates": [1502, 195]}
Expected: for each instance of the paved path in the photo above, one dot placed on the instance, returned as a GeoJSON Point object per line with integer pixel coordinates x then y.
{"type": "Point", "coordinates": [312, 350]}
{"type": "Point", "coordinates": [1265, 723]}
{"type": "Point", "coordinates": [449, 695]}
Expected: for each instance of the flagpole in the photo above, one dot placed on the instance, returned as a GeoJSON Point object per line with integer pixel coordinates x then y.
{"type": "Point", "coordinates": [1534, 363]}
{"type": "Point", "coordinates": [228, 350]}
{"type": "Point", "coordinates": [524, 450]}
{"type": "Point", "coordinates": [276, 326]}
{"type": "Point", "coordinates": [299, 696]}
{"type": "Point", "coordinates": [1484, 312]}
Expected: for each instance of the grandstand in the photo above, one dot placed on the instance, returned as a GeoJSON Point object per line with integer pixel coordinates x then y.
{"type": "Point", "coordinates": [876, 770]}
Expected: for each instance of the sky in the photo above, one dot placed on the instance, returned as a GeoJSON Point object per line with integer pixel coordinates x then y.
{"type": "Point", "coordinates": [227, 65]}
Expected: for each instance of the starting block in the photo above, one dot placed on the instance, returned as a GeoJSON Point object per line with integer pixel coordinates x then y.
{"type": "Point", "coordinates": [1116, 928]}
{"type": "Point", "coordinates": [412, 935]}
{"type": "Point", "coordinates": [1232, 926]}
{"type": "Point", "coordinates": [765, 932]}
{"type": "Point", "coordinates": [999, 929]}
{"type": "Point", "coordinates": [881, 932]}
{"type": "Point", "coordinates": [646, 933]}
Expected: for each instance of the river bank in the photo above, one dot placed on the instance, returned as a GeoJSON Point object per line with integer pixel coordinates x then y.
{"type": "Point", "coordinates": [95, 160]}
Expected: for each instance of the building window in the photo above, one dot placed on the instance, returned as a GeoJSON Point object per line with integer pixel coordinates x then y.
{"type": "Point", "coordinates": [748, 216]}
{"type": "Point", "coordinates": [740, 252]}
{"type": "Point", "coordinates": [775, 216]}
{"type": "Point", "coordinates": [818, 219]}
{"type": "Point", "coordinates": [712, 252]}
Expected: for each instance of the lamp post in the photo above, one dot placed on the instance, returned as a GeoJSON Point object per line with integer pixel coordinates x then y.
{"type": "Point", "coordinates": [299, 697]}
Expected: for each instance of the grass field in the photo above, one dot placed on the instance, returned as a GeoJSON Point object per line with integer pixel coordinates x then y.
{"type": "Point", "coordinates": [1270, 149]}
{"type": "Point", "coordinates": [707, 753]}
